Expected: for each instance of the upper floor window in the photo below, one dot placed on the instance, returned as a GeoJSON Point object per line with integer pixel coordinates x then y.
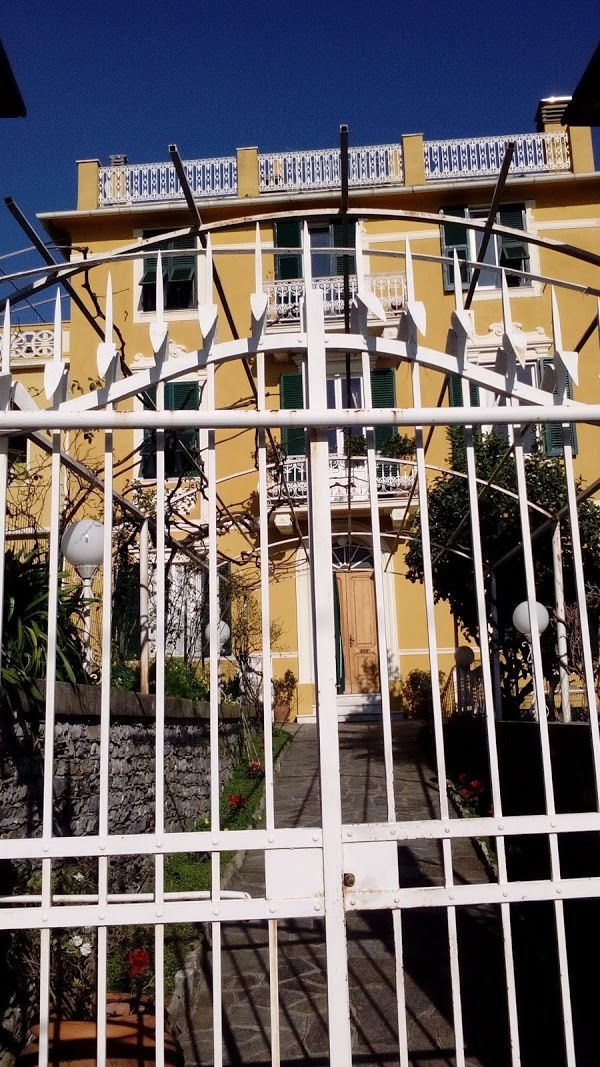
{"type": "Point", "coordinates": [383, 392]}
{"type": "Point", "coordinates": [182, 447]}
{"type": "Point", "coordinates": [548, 437]}
{"type": "Point", "coordinates": [325, 238]}
{"type": "Point", "coordinates": [179, 275]}
{"type": "Point", "coordinates": [502, 251]}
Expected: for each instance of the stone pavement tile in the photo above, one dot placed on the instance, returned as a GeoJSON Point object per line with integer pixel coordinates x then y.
{"type": "Point", "coordinates": [370, 943]}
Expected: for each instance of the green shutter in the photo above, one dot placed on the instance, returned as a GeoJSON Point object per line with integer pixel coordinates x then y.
{"type": "Point", "coordinates": [512, 251]}
{"type": "Point", "coordinates": [181, 446]}
{"type": "Point", "coordinates": [455, 238]}
{"type": "Point", "coordinates": [337, 241]}
{"type": "Point", "coordinates": [455, 392]}
{"type": "Point", "coordinates": [383, 395]}
{"type": "Point", "coordinates": [552, 431]}
{"type": "Point", "coordinates": [293, 438]}
{"type": "Point", "coordinates": [286, 234]}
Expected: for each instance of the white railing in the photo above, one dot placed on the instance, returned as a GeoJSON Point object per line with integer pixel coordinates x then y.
{"type": "Point", "coordinates": [476, 157]}
{"type": "Point", "coordinates": [138, 182]}
{"type": "Point", "coordinates": [34, 342]}
{"type": "Point", "coordinates": [320, 168]}
{"type": "Point", "coordinates": [395, 478]}
{"type": "Point", "coordinates": [284, 296]}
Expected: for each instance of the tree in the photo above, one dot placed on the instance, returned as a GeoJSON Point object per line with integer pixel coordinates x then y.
{"type": "Point", "coordinates": [500, 527]}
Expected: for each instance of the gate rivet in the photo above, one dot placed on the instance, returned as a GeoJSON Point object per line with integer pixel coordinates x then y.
{"type": "Point", "coordinates": [45, 917]}
{"type": "Point", "coordinates": [272, 909]}
{"type": "Point", "coordinates": [349, 833]}
{"type": "Point", "coordinates": [446, 829]}
{"type": "Point", "coordinates": [450, 896]}
{"type": "Point", "coordinates": [158, 913]}
{"type": "Point", "coordinates": [349, 880]}
{"type": "Point", "coordinates": [215, 840]}
{"type": "Point", "coordinates": [317, 907]}
{"type": "Point", "coordinates": [553, 825]}
{"type": "Point", "coordinates": [46, 848]}
{"type": "Point", "coordinates": [500, 825]}
{"type": "Point", "coordinates": [215, 911]}
{"type": "Point", "coordinates": [270, 839]}
{"type": "Point", "coordinates": [558, 889]}
{"type": "Point", "coordinates": [505, 892]}
{"type": "Point", "coordinates": [393, 831]}
{"type": "Point", "coordinates": [315, 837]}
{"type": "Point", "coordinates": [396, 899]}
{"type": "Point", "coordinates": [100, 915]}
{"type": "Point", "coordinates": [353, 903]}
{"type": "Point", "coordinates": [159, 842]}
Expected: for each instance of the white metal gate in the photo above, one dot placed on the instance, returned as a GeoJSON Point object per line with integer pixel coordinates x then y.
{"type": "Point", "coordinates": [338, 868]}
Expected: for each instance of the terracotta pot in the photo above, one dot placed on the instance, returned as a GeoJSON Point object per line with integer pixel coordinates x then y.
{"type": "Point", "coordinates": [130, 1040]}
{"type": "Point", "coordinates": [281, 712]}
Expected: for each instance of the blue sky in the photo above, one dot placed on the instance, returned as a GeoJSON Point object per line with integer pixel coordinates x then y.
{"type": "Point", "coordinates": [134, 76]}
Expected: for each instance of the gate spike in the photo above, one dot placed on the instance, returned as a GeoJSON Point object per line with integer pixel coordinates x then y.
{"type": "Point", "coordinates": [6, 340]}
{"type": "Point", "coordinates": [5, 375]}
{"type": "Point", "coordinates": [568, 361]}
{"type": "Point", "coordinates": [513, 347]}
{"type": "Point", "coordinates": [207, 311]}
{"type": "Point", "coordinates": [258, 299]}
{"type": "Point", "coordinates": [366, 301]}
{"type": "Point", "coordinates": [107, 350]}
{"type": "Point", "coordinates": [55, 367]}
{"type": "Point", "coordinates": [158, 327]}
{"type": "Point", "coordinates": [415, 317]}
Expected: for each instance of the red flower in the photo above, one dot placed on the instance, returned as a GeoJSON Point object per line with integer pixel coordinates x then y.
{"type": "Point", "coordinates": [137, 961]}
{"type": "Point", "coordinates": [478, 785]}
{"type": "Point", "coordinates": [255, 767]}
{"type": "Point", "coordinates": [465, 793]}
{"type": "Point", "coordinates": [236, 800]}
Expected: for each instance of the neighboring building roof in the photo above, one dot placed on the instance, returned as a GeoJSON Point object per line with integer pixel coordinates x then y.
{"type": "Point", "coordinates": [12, 105]}
{"type": "Point", "coordinates": [584, 109]}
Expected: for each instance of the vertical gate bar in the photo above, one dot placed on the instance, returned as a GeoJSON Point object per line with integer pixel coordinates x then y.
{"type": "Point", "coordinates": [496, 647]}
{"type": "Point", "coordinates": [582, 607]}
{"type": "Point", "coordinates": [544, 744]}
{"type": "Point", "coordinates": [490, 723]}
{"type": "Point", "coordinates": [319, 516]}
{"type": "Point", "coordinates": [404, 1060]}
{"type": "Point", "coordinates": [213, 625]}
{"type": "Point", "coordinates": [104, 770]}
{"type": "Point", "coordinates": [267, 713]}
{"type": "Point", "coordinates": [562, 648]}
{"type": "Point", "coordinates": [144, 607]}
{"type": "Point", "coordinates": [437, 715]}
{"type": "Point", "coordinates": [379, 594]}
{"type": "Point", "coordinates": [5, 369]}
{"type": "Point", "coordinates": [47, 802]}
{"type": "Point", "coordinates": [159, 740]}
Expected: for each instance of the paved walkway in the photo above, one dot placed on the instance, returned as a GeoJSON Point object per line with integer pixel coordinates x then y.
{"type": "Point", "coordinates": [372, 967]}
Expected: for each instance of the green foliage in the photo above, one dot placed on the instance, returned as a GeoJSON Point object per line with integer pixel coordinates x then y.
{"type": "Point", "coordinates": [500, 531]}
{"type": "Point", "coordinates": [25, 629]}
{"type": "Point", "coordinates": [284, 688]}
{"type": "Point", "coordinates": [416, 694]}
{"type": "Point", "coordinates": [399, 446]}
{"type": "Point", "coordinates": [182, 680]}
{"type": "Point", "coordinates": [125, 676]}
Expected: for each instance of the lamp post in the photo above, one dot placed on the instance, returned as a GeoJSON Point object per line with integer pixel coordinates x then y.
{"type": "Point", "coordinates": [82, 544]}
{"type": "Point", "coordinates": [522, 623]}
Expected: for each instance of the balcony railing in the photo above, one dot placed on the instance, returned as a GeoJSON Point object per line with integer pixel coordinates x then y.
{"type": "Point", "coordinates": [284, 296]}
{"type": "Point", "coordinates": [34, 342]}
{"type": "Point", "coordinates": [395, 479]}
{"type": "Point", "coordinates": [320, 169]}
{"type": "Point", "coordinates": [478, 157]}
{"type": "Point", "coordinates": [136, 183]}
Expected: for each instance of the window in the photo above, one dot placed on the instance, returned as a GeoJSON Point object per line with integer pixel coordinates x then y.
{"type": "Point", "coordinates": [17, 450]}
{"type": "Point", "coordinates": [179, 276]}
{"type": "Point", "coordinates": [509, 252]}
{"type": "Point", "coordinates": [182, 451]}
{"type": "Point", "coordinates": [291, 397]}
{"type": "Point", "coordinates": [325, 262]}
{"type": "Point", "coordinates": [549, 437]}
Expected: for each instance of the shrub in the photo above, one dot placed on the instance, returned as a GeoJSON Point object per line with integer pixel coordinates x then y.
{"type": "Point", "coordinates": [416, 694]}
{"type": "Point", "coordinates": [182, 680]}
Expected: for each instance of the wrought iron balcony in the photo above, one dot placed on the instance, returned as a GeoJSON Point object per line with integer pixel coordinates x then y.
{"type": "Point", "coordinates": [374, 165]}
{"type": "Point", "coordinates": [477, 157]}
{"type": "Point", "coordinates": [139, 182]}
{"type": "Point", "coordinates": [395, 479]}
{"type": "Point", "coordinates": [284, 296]}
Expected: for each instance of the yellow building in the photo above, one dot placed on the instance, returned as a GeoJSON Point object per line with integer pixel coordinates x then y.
{"type": "Point", "coordinates": [398, 194]}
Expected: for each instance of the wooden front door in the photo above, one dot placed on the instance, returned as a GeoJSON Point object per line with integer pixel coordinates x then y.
{"type": "Point", "coordinates": [358, 624]}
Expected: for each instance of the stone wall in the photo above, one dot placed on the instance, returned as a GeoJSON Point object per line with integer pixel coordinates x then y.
{"type": "Point", "coordinates": [131, 769]}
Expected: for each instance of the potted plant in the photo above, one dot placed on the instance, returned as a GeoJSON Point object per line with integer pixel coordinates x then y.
{"type": "Point", "coordinates": [283, 694]}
